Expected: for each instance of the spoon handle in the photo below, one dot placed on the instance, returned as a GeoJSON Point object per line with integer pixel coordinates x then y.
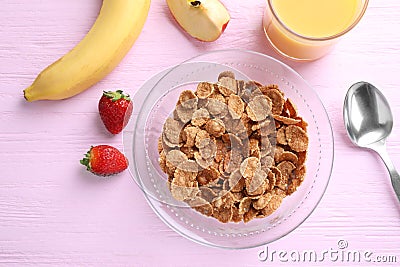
{"type": "Point", "coordinates": [380, 148]}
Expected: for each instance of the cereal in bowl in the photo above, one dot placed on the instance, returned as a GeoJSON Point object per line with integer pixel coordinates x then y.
{"type": "Point", "coordinates": [234, 149]}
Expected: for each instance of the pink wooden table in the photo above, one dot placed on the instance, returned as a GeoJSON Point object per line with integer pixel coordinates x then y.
{"type": "Point", "coordinates": [54, 213]}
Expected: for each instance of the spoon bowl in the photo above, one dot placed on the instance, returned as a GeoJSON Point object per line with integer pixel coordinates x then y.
{"type": "Point", "coordinates": [367, 115]}
{"type": "Point", "coordinates": [369, 121]}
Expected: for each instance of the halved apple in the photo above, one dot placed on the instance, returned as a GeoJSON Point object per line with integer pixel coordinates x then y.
{"type": "Point", "coordinates": [205, 20]}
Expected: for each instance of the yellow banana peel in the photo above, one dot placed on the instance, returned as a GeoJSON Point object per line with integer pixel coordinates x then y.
{"type": "Point", "coordinates": [112, 35]}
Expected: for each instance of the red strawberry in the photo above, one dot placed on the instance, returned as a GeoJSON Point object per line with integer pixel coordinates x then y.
{"type": "Point", "coordinates": [115, 109]}
{"type": "Point", "coordinates": [104, 160]}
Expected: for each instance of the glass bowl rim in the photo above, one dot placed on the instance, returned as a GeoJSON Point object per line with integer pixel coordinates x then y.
{"type": "Point", "coordinates": [163, 73]}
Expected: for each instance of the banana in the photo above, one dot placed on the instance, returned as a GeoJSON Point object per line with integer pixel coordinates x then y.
{"type": "Point", "coordinates": [112, 35]}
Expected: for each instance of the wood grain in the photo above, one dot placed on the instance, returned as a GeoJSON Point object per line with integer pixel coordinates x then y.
{"type": "Point", "coordinates": [53, 213]}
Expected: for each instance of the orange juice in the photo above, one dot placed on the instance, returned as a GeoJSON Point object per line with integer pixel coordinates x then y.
{"type": "Point", "coordinates": [307, 29]}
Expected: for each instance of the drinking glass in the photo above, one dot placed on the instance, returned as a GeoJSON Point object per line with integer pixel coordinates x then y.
{"type": "Point", "coordinates": [293, 45]}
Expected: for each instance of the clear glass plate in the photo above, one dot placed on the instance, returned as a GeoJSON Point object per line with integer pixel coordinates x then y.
{"type": "Point", "coordinates": [155, 101]}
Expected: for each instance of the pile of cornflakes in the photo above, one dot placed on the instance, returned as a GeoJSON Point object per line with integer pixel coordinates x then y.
{"type": "Point", "coordinates": [234, 149]}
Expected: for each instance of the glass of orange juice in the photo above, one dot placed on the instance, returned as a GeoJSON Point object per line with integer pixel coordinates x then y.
{"type": "Point", "coordinates": [307, 29]}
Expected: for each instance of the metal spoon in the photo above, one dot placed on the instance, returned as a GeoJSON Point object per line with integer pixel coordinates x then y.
{"type": "Point", "coordinates": [369, 121]}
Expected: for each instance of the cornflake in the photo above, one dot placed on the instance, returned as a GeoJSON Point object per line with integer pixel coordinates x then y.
{"type": "Point", "coordinates": [286, 120]}
{"type": "Point", "coordinates": [257, 184]}
{"type": "Point", "coordinates": [235, 106]}
{"type": "Point", "coordinates": [216, 107]}
{"type": "Point", "coordinates": [254, 148]}
{"type": "Point", "coordinates": [207, 193]}
{"type": "Point", "coordinates": [238, 196]}
{"type": "Point", "coordinates": [202, 138]}
{"type": "Point", "coordinates": [236, 216]}
{"type": "Point", "coordinates": [259, 108]}
{"type": "Point", "coordinates": [204, 90]}
{"type": "Point", "coordinates": [171, 132]}
{"type": "Point", "coordinates": [203, 163]}
{"type": "Point", "coordinates": [174, 158]}
{"type": "Point", "coordinates": [215, 127]}
{"type": "Point", "coordinates": [262, 202]}
{"type": "Point", "coordinates": [281, 136]}
{"type": "Point", "coordinates": [189, 166]}
{"type": "Point", "coordinates": [297, 138]}
{"type": "Point", "coordinates": [160, 145]}
{"type": "Point", "coordinates": [184, 186]}
{"type": "Point", "coordinates": [289, 156]}
{"type": "Point", "coordinates": [277, 100]}
{"type": "Point", "coordinates": [227, 73]}
{"type": "Point", "coordinates": [236, 181]}
{"type": "Point", "coordinates": [291, 108]}
{"type": "Point", "coordinates": [163, 162]}
{"type": "Point", "coordinates": [190, 133]}
{"type": "Point", "coordinates": [224, 89]}
{"type": "Point", "coordinates": [208, 150]}
{"type": "Point", "coordinates": [188, 100]}
{"type": "Point", "coordinates": [251, 214]}
{"type": "Point", "coordinates": [292, 187]}
{"type": "Point", "coordinates": [249, 166]}
{"type": "Point", "coordinates": [232, 141]}
{"type": "Point", "coordinates": [272, 205]}
{"type": "Point", "coordinates": [244, 205]}
{"type": "Point", "coordinates": [201, 205]}
{"type": "Point", "coordinates": [221, 150]}
{"type": "Point", "coordinates": [222, 206]}
{"type": "Point", "coordinates": [267, 162]}
{"type": "Point", "coordinates": [301, 172]}
{"type": "Point", "coordinates": [302, 156]}
{"type": "Point", "coordinates": [233, 150]}
{"type": "Point", "coordinates": [200, 117]}
{"type": "Point", "coordinates": [286, 168]}
{"type": "Point", "coordinates": [189, 151]}
{"type": "Point", "coordinates": [184, 114]}
{"type": "Point", "coordinates": [232, 160]}
{"type": "Point", "coordinates": [207, 176]}
{"type": "Point", "coordinates": [227, 85]}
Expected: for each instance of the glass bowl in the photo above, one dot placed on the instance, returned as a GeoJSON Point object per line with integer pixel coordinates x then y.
{"type": "Point", "coordinates": [155, 101]}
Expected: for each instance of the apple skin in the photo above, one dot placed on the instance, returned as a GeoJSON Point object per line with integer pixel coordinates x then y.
{"type": "Point", "coordinates": [206, 21]}
{"type": "Point", "coordinates": [224, 26]}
